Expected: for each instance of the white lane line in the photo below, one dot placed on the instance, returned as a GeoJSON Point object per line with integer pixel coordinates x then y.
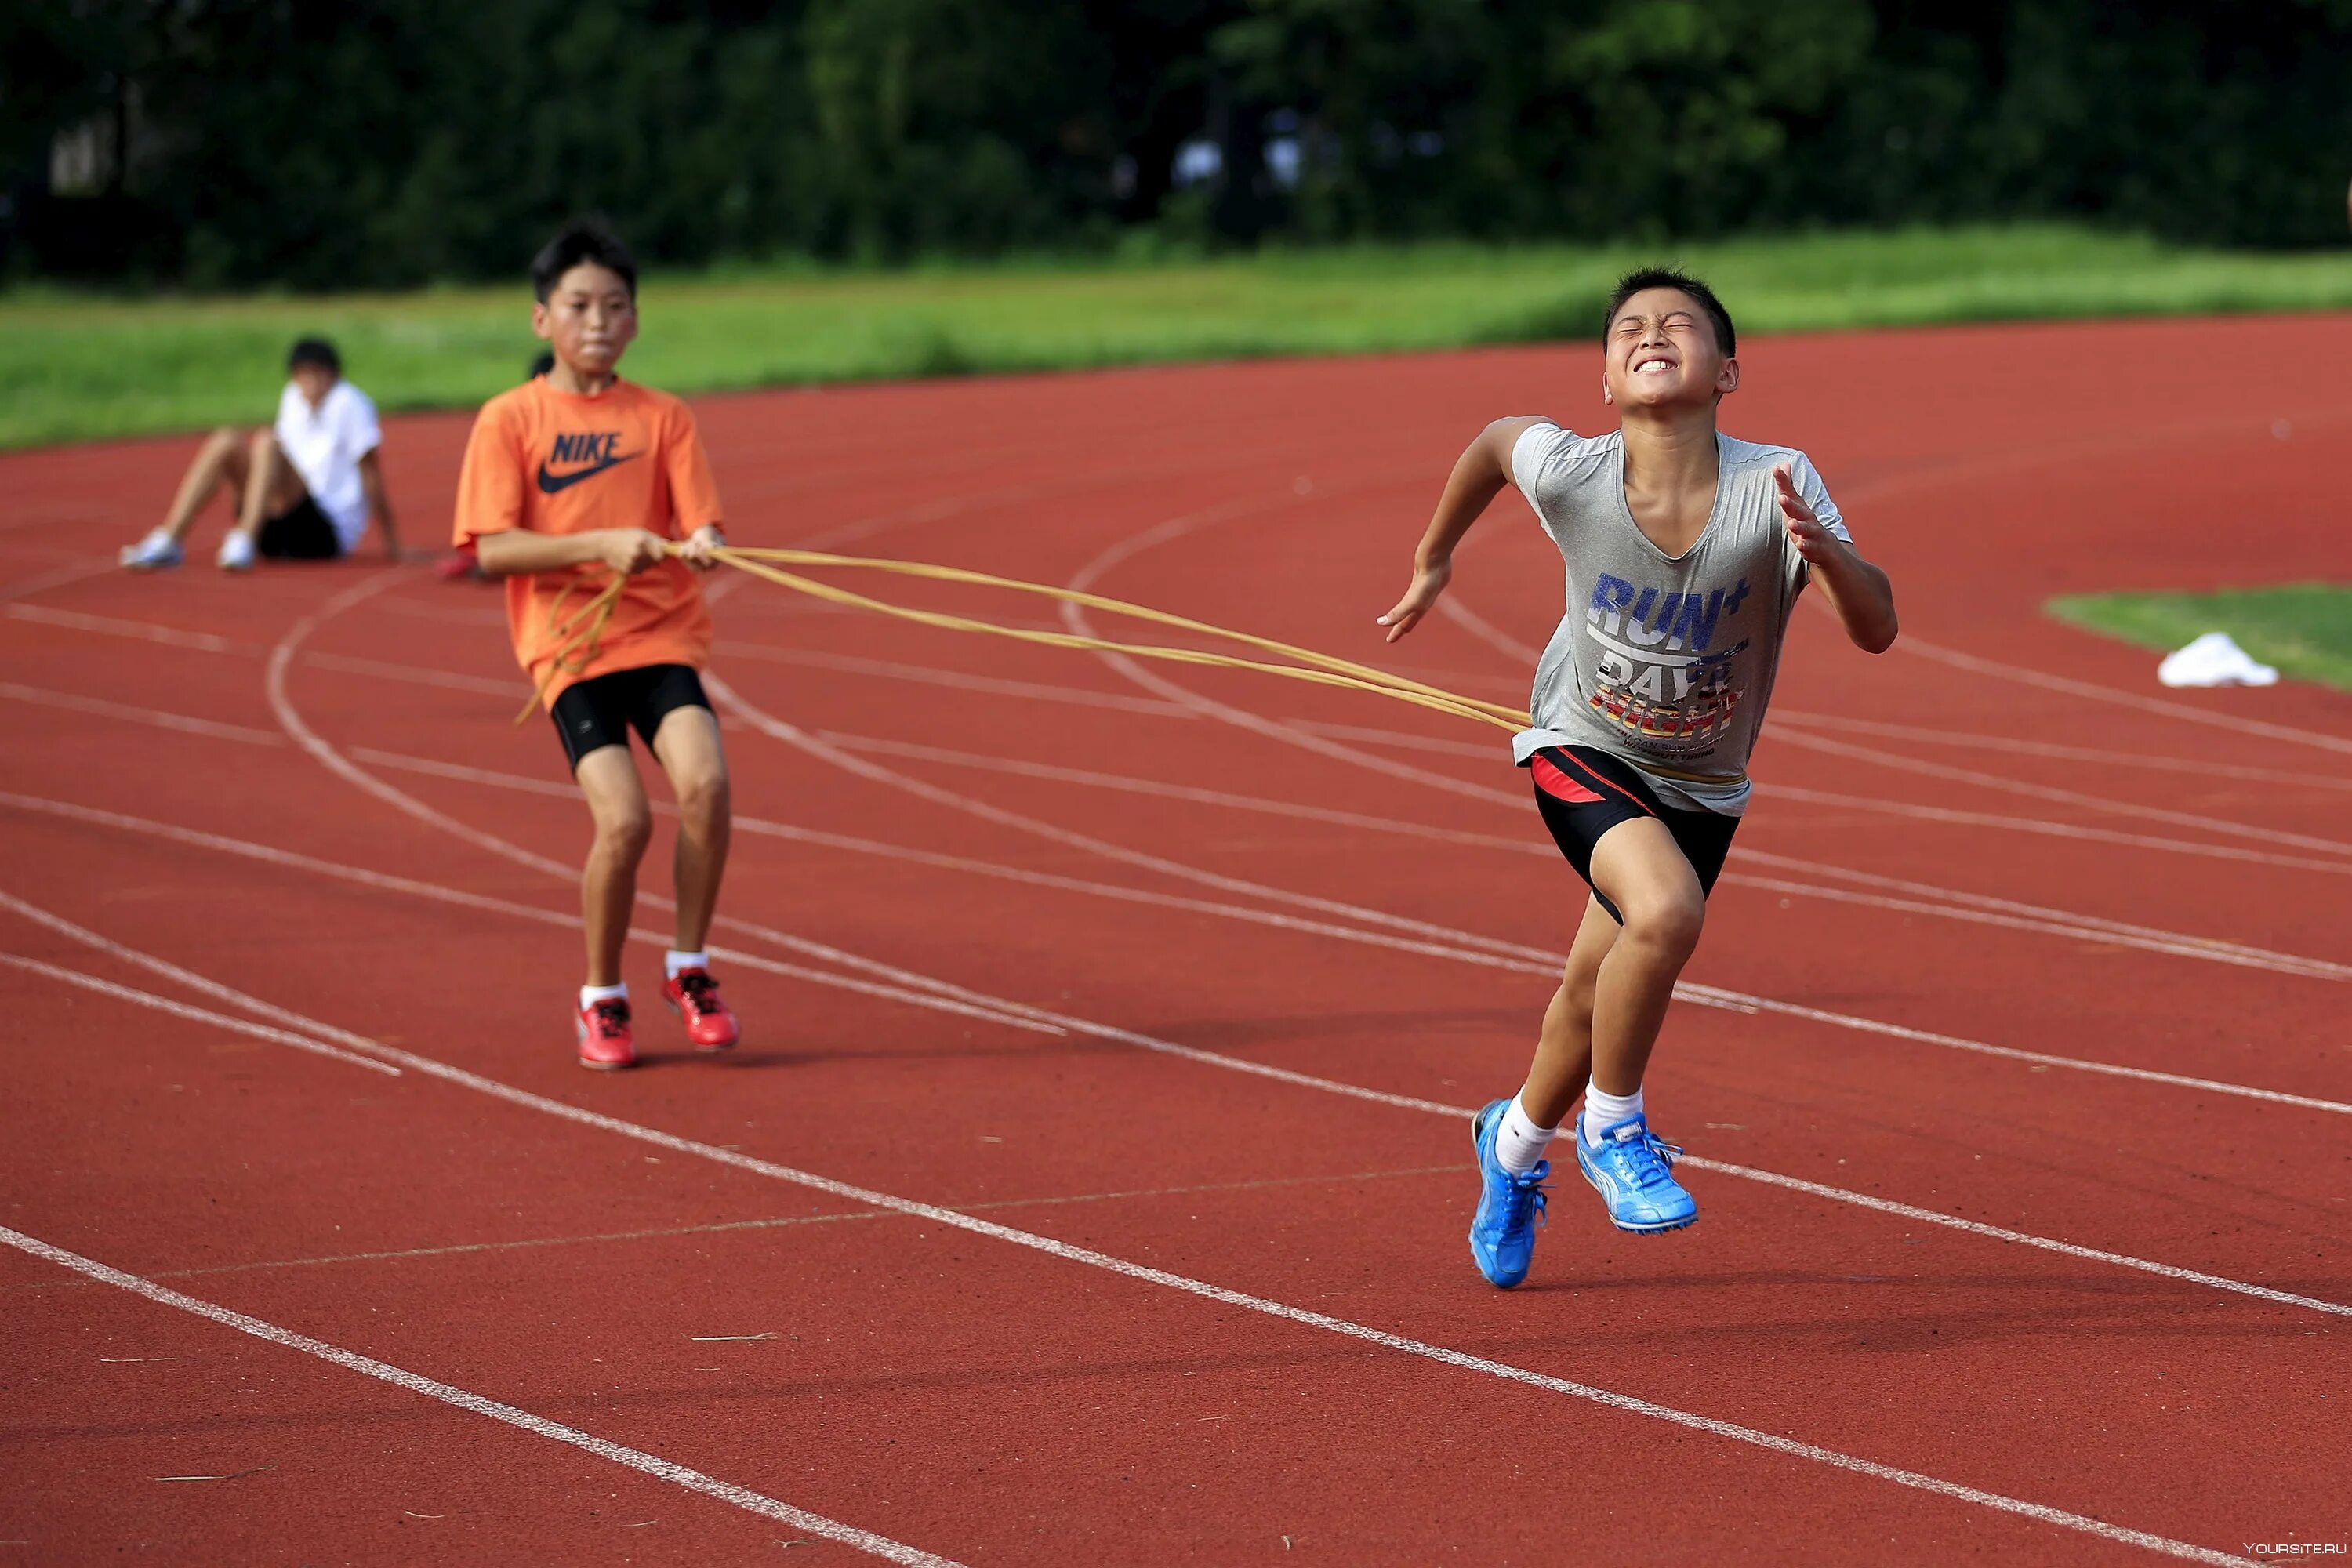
{"type": "Point", "coordinates": [1400, 739]}
{"type": "Point", "coordinates": [1543, 963]}
{"type": "Point", "coordinates": [181, 1009]}
{"type": "Point", "coordinates": [1087, 1256]}
{"type": "Point", "coordinates": [1455, 609]}
{"type": "Point", "coordinates": [448, 679]}
{"type": "Point", "coordinates": [2048, 829]}
{"type": "Point", "coordinates": [79, 570]}
{"type": "Point", "coordinates": [762, 828]}
{"type": "Point", "coordinates": [2112, 762]}
{"type": "Point", "coordinates": [2116, 932]}
{"type": "Point", "coordinates": [2247, 957]}
{"type": "Point", "coordinates": [954, 679]}
{"type": "Point", "coordinates": [801, 740]}
{"type": "Point", "coordinates": [905, 985]}
{"type": "Point", "coordinates": [2164, 940]}
{"type": "Point", "coordinates": [637, 1459]}
{"type": "Point", "coordinates": [932, 999]}
{"type": "Point", "coordinates": [101, 708]}
{"type": "Point", "coordinates": [2016, 916]}
{"type": "Point", "coordinates": [1019, 767]}
{"type": "Point", "coordinates": [2102, 803]}
{"type": "Point", "coordinates": [2308, 969]}
{"type": "Point", "coordinates": [781, 1222]}
{"type": "Point", "coordinates": [1706, 997]}
{"type": "Point", "coordinates": [1074, 617]}
{"type": "Point", "coordinates": [1006, 1011]}
{"type": "Point", "coordinates": [1744, 1002]}
{"type": "Point", "coordinates": [2237, 723]}
{"type": "Point", "coordinates": [145, 631]}
{"type": "Point", "coordinates": [2054, 921]}
{"type": "Point", "coordinates": [2087, 928]}
{"type": "Point", "coordinates": [206, 642]}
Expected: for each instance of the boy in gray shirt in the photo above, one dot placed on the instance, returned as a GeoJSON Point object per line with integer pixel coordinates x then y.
{"type": "Point", "coordinates": [1685, 550]}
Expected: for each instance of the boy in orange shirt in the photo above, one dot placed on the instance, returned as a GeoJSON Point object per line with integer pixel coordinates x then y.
{"type": "Point", "coordinates": [569, 478]}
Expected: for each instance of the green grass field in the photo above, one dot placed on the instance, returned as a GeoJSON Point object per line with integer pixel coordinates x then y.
{"type": "Point", "coordinates": [78, 366]}
{"type": "Point", "coordinates": [2304, 628]}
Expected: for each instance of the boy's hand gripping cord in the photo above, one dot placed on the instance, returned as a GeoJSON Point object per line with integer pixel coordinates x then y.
{"type": "Point", "coordinates": [579, 633]}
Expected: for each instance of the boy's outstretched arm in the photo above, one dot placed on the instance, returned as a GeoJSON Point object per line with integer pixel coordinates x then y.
{"type": "Point", "coordinates": [1479, 475]}
{"type": "Point", "coordinates": [1859, 593]}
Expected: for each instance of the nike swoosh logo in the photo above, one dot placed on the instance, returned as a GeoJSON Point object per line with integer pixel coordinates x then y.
{"type": "Point", "coordinates": [549, 484]}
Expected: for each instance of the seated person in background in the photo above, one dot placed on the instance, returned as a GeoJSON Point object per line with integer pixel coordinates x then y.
{"type": "Point", "coordinates": [303, 489]}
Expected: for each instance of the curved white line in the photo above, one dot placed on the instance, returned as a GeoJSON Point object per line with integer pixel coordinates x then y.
{"type": "Point", "coordinates": [2009, 786]}
{"type": "Point", "coordinates": [2235, 722]}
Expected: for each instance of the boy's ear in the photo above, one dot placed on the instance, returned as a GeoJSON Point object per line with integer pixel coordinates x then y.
{"type": "Point", "coordinates": [1608, 399]}
{"type": "Point", "coordinates": [1727, 380]}
{"type": "Point", "coordinates": [539, 328]}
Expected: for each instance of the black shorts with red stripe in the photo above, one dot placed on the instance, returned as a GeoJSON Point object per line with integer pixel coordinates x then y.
{"type": "Point", "coordinates": [1583, 793]}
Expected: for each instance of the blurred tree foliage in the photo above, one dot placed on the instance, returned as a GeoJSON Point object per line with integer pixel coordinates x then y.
{"type": "Point", "coordinates": [392, 142]}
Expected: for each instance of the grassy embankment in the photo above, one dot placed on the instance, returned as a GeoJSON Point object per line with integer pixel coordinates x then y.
{"type": "Point", "coordinates": [80, 366]}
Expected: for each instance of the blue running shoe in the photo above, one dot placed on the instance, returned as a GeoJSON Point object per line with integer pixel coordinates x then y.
{"type": "Point", "coordinates": [1634, 1173]}
{"type": "Point", "coordinates": [1503, 1231]}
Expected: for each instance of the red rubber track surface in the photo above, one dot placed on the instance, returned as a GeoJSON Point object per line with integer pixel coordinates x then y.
{"type": "Point", "coordinates": [2001, 834]}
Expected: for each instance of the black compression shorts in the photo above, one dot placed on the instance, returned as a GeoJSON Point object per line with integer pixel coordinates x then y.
{"type": "Point", "coordinates": [1583, 793]}
{"type": "Point", "coordinates": [601, 710]}
{"type": "Point", "coordinates": [301, 532]}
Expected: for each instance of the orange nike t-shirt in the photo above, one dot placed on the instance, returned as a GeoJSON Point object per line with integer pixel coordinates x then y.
{"type": "Point", "coordinates": [556, 462]}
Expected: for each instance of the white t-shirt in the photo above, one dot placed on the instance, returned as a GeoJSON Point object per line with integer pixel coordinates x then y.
{"type": "Point", "coordinates": [325, 444]}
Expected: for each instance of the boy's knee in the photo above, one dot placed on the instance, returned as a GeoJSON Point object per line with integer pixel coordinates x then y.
{"type": "Point", "coordinates": [1670, 922]}
{"type": "Point", "coordinates": [260, 443]}
{"type": "Point", "coordinates": [224, 439]}
{"type": "Point", "coordinates": [625, 830]}
{"type": "Point", "coordinates": [704, 797]}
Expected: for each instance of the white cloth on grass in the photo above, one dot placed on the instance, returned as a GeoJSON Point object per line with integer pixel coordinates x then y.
{"type": "Point", "coordinates": [2214, 660]}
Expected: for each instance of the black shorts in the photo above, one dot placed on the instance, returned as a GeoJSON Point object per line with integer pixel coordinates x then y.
{"type": "Point", "coordinates": [1583, 793]}
{"type": "Point", "coordinates": [601, 710]}
{"type": "Point", "coordinates": [301, 532]}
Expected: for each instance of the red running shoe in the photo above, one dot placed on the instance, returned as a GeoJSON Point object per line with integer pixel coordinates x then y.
{"type": "Point", "coordinates": [606, 1042]}
{"type": "Point", "coordinates": [709, 1023]}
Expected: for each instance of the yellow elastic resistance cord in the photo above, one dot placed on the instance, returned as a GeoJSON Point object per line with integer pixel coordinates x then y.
{"type": "Point", "coordinates": [579, 633]}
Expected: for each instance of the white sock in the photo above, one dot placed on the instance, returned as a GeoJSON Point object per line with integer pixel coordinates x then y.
{"type": "Point", "coordinates": [1519, 1143]}
{"type": "Point", "coordinates": [673, 961]}
{"type": "Point", "coordinates": [1603, 1110]}
{"type": "Point", "coordinates": [592, 994]}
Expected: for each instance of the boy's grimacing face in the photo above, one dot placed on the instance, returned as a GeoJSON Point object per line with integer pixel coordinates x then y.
{"type": "Point", "coordinates": [588, 318]}
{"type": "Point", "coordinates": [1662, 352]}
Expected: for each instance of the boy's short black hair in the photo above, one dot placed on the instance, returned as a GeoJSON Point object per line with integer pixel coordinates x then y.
{"type": "Point", "coordinates": [1642, 277]}
{"type": "Point", "coordinates": [314, 350]}
{"type": "Point", "coordinates": [587, 241]}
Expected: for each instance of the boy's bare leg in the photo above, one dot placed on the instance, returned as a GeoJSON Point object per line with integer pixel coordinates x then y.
{"type": "Point", "coordinates": [1564, 1050]}
{"type": "Point", "coordinates": [220, 462]}
{"type": "Point", "coordinates": [271, 485]}
{"type": "Point", "coordinates": [1645, 874]}
{"type": "Point", "coordinates": [686, 745]}
{"type": "Point", "coordinates": [608, 883]}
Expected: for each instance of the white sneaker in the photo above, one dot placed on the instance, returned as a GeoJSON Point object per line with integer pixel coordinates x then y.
{"type": "Point", "coordinates": [236, 551]}
{"type": "Point", "coordinates": [158, 550]}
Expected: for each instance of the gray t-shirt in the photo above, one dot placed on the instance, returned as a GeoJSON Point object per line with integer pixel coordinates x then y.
{"type": "Point", "coordinates": [1665, 661]}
